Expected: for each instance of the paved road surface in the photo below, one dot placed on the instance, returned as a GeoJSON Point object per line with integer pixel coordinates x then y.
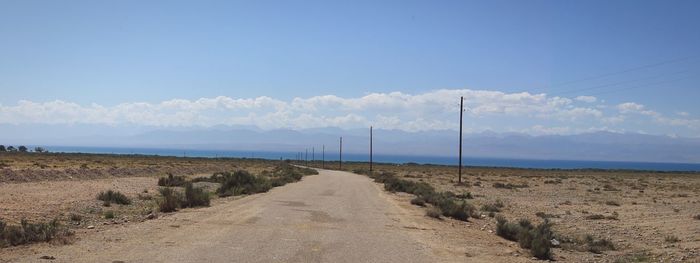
{"type": "Point", "coordinates": [330, 217]}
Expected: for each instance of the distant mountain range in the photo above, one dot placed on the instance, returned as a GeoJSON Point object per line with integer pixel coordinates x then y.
{"type": "Point", "coordinates": [601, 146]}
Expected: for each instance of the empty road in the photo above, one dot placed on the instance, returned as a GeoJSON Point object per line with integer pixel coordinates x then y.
{"type": "Point", "coordinates": [331, 217]}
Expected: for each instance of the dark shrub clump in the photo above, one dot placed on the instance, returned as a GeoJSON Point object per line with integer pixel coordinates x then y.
{"type": "Point", "coordinates": [171, 200]}
{"type": "Point", "coordinates": [537, 239]}
{"type": "Point", "coordinates": [26, 232]}
{"type": "Point", "coordinates": [113, 197]}
{"type": "Point", "coordinates": [195, 197]}
{"type": "Point", "coordinates": [172, 180]}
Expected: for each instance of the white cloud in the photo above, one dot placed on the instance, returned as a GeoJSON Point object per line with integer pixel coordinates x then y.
{"type": "Point", "coordinates": [587, 99]}
{"type": "Point", "coordinates": [434, 110]}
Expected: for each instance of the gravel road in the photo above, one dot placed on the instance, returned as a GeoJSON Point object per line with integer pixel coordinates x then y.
{"type": "Point", "coordinates": [330, 217]}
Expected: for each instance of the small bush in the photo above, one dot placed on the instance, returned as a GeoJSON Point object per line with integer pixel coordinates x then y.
{"type": "Point", "coordinates": [509, 185]}
{"type": "Point", "coordinates": [595, 217]}
{"type": "Point", "coordinates": [27, 232]}
{"type": "Point", "coordinates": [537, 239]}
{"type": "Point", "coordinates": [419, 201]}
{"type": "Point", "coordinates": [76, 217]}
{"type": "Point", "coordinates": [171, 200]}
{"type": "Point", "coordinates": [113, 197]}
{"type": "Point", "coordinates": [109, 214]}
{"type": "Point", "coordinates": [597, 246]}
{"type": "Point", "coordinates": [242, 182]}
{"type": "Point", "coordinates": [172, 180]}
{"type": "Point", "coordinates": [672, 239]}
{"type": "Point", "coordinates": [434, 212]}
{"type": "Point", "coordinates": [494, 207]}
{"type": "Point", "coordinates": [612, 203]}
{"type": "Point", "coordinates": [697, 217]}
{"type": "Point", "coordinates": [195, 197]}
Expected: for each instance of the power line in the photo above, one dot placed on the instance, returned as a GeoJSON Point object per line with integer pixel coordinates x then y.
{"type": "Point", "coordinates": [616, 83]}
{"type": "Point", "coordinates": [676, 60]}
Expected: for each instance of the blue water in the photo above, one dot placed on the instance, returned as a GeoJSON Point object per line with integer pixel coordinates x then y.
{"type": "Point", "coordinates": [467, 161]}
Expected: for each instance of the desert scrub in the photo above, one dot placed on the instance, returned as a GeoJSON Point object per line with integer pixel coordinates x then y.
{"type": "Point", "coordinates": [537, 239]}
{"type": "Point", "coordinates": [509, 186]}
{"type": "Point", "coordinates": [419, 201]}
{"type": "Point", "coordinates": [195, 197]}
{"type": "Point", "coordinates": [493, 207]}
{"type": "Point", "coordinates": [113, 197]}
{"type": "Point", "coordinates": [26, 232]}
{"type": "Point", "coordinates": [172, 180]}
{"type": "Point", "coordinates": [446, 202]}
{"type": "Point", "coordinates": [597, 246]}
{"type": "Point", "coordinates": [109, 214]}
{"type": "Point", "coordinates": [171, 200]}
{"type": "Point", "coordinates": [434, 212]}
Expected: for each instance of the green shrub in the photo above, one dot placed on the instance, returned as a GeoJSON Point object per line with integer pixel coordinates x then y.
{"type": "Point", "coordinates": [537, 239]}
{"type": "Point", "coordinates": [172, 180]}
{"type": "Point", "coordinates": [113, 197]}
{"type": "Point", "coordinates": [170, 202]}
{"type": "Point", "coordinates": [76, 217]}
{"type": "Point", "coordinates": [195, 197]}
{"type": "Point", "coordinates": [242, 182]}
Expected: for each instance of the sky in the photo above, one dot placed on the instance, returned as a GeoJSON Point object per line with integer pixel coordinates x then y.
{"type": "Point", "coordinates": [537, 67]}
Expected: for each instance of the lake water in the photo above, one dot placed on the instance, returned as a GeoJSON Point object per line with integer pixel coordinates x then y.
{"type": "Point", "coordinates": [467, 161]}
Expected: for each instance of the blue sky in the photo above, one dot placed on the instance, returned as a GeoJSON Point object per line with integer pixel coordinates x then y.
{"type": "Point", "coordinates": [63, 60]}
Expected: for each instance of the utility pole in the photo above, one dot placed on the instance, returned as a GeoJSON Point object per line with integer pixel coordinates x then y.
{"type": "Point", "coordinates": [323, 156]}
{"type": "Point", "coordinates": [461, 110]}
{"type": "Point", "coordinates": [340, 162]}
{"type": "Point", "coordinates": [306, 157]}
{"type": "Point", "coordinates": [370, 149]}
{"type": "Point", "coordinates": [313, 154]}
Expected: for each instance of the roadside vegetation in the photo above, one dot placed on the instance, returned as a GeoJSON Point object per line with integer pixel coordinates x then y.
{"type": "Point", "coordinates": [27, 232]}
{"type": "Point", "coordinates": [535, 238]}
{"type": "Point", "coordinates": [443, 203]}
{"type": "Point", "coordinates": [239, 182]}
{"type": "Point", "coordinates": [110, 197]}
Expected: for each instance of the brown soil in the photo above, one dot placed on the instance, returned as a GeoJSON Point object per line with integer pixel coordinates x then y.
{"type": "Point", "coordinates": [649, 217]}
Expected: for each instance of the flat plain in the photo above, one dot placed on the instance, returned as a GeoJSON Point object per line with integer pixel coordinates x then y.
{"type": "Point", "coordinates": [641, 216]}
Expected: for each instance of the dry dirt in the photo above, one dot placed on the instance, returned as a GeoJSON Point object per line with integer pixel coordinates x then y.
{"type": "Point", "coordinates": [649, 217]}
{"type": "Point", "coordinates": [652, 210]}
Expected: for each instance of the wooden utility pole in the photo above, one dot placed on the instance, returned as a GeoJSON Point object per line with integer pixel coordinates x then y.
{"type": "Point", "coordinates": [340, 162]}
{"type": "Point", "coordinates": [461, 110]}
{"type": "Point", "coordinates": [323, 162]}
{"type": "Point", "coordinates": [370, 149]}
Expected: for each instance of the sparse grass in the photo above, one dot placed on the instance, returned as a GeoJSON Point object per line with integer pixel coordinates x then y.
{"type": "Point", "coordinates": [172, 180]}
{"type": "Point", "coordinates": [76, 217]}
{"type": "Point", "coordinates": [493, 207]}
{"type": "Point", "coordinates": [109, 214]}
{"type": "Point", "coordinates": [26, 232]}
{"type": "Point", "coordinates": [509, 185]}
{"type": "Point", "coordinates": [612, 203]}
{"type": "Point", "coordinates": [113, 197]}
{"type": "Point", "coordinates": [597, 246]}
{"type": "Point", "coordinates": [671, 239]}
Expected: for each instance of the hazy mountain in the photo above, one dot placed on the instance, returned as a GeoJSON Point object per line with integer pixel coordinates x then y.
{"type": "Point", "coordinates": [589, 146]}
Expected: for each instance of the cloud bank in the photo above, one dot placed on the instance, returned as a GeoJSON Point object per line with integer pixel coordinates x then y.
{"type": "Point", "coordinates": [434, 110]}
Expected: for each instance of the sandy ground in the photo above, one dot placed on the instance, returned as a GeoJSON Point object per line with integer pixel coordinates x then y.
{"type": "Point", "coordinates": [655, 212]}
